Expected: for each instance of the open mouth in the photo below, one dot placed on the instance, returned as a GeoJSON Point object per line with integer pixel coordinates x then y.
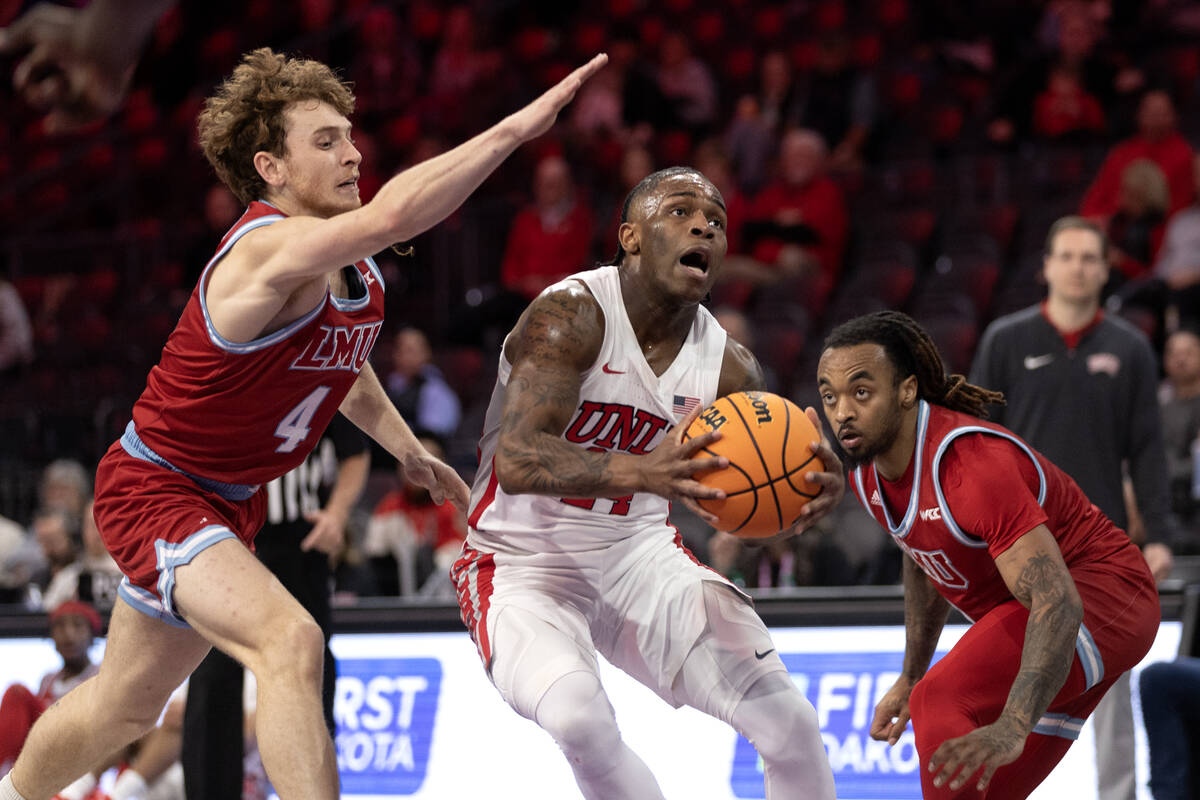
{"type": "Point", "coordinates": [849, 438]}
{"type": "Point", "coordinates": [696, 258]}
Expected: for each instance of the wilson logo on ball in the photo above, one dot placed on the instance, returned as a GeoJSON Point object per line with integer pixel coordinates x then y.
{"type": "Point", "coordinates": [766, 439]}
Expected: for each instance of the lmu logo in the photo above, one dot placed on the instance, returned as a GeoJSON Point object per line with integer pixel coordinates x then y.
{"type": "Point", "coordinates": [928, 514]}
{"type": "Point", "coordinates": [937, 565]}
{"type": "Point", "coordinates": [339, 347]}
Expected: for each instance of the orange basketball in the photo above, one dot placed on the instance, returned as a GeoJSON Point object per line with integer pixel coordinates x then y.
{"type": "Point", "coordinates": [766, 439]}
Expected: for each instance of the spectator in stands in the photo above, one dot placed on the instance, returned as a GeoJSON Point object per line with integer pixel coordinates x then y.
{"type": "Point", "coordinates": [759, 119]}
{"type": "Point", "coordinates": [412, 542]}
{"type": "Point", "coordinates": [738, 326]}
{"type": "Point", "coordinates": [1080, 389]}
{"type": "Point", "coordinates": [1178, 265]}
{"type": "Point", "coordinates": [1066, 109]}
{"type": "Point", "coordinates": [1157, 139]}
{"type": "Point", "coordinates": [1135, 231]}
{"type": "Point", "coordinates": [14, 574]}
{"type": "Point", "coordinates": [92, 578]}
{"type": "Point", "coordinates": [1061, 93]}
{"type": "Point", "coordinates": [838, 101]}
{"type": "Point", "coordinates": [1180, 398]}
{"type": "Point", "coordinates": [73, 626]}
{"type": "Point", "coordinates": [461, 71]}
{"type": "Point", "coordinates": [16, 331]}
{"type": "Point", "coordinates": [386, 71]}
{"type": "Point", "coordinates": [418, 388]}
{"type": "Point", "coordinates": [549, 239]}
{"type": "Point", "coordinates": [686, 84]}
{"type": "Point", "coordinates": [65, 486]}
{"type": "Point", "coordinates": [796, 229]}
{"type": "Point", "coordinates": [1171, 711]}
{"type": "Point", "coordinates": [57, 533]}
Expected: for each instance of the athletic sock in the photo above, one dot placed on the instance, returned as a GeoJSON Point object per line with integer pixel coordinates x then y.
{"type": "Point", "coordinates": [129, 786]}
{"type": "Point", "coordinates": [79, 789]}
{"type": "Point", "coordinates": [7, 792]}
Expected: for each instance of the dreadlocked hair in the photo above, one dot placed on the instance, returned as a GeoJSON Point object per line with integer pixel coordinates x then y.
{"type": "Point", "coordinates": [644, 186]}
{"type": "Point", "coordinates": [912, 352]}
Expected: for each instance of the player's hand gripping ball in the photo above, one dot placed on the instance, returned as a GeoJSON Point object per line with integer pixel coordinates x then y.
{"type": "Point", "coordinates": [766, 439]}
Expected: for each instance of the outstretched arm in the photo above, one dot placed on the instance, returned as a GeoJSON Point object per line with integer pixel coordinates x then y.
{"type": "Point", "coordinates": [368, 406]}
{"type": "Point", "coordinates": [925, 612]}
{"type": "Point", "coordinates": [556, 340]}
{"type": "Point", "coordinates": [1034, 570]}
{"type": "Point", "coordinates": [298, 248]}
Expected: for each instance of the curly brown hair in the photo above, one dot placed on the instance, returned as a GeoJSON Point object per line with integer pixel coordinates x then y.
{"type": "Point", "coordinates": [246, 113]}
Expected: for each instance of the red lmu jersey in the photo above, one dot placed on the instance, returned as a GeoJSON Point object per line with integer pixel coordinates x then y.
{"type": "Point", "coordinates": [976, 488]}
{"type": "Point", "coordinates": [246, 413]}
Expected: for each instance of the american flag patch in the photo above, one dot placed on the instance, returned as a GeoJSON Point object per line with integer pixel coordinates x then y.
{"type": "Point", "coordinates": [684, 405]}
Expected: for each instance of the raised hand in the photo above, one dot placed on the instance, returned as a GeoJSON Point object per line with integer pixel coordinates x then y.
{"type": "Point", "coordinates": [536, 118]}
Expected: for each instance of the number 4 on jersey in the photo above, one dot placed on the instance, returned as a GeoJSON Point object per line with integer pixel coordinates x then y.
{"type": "Point", "coordinates": [294, 426]}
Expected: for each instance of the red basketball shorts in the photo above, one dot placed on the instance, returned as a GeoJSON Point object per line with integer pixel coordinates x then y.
{"type": "Point", "coordinates": [154, 520]}
{"type": "Point", "coordinates": [968, 687]}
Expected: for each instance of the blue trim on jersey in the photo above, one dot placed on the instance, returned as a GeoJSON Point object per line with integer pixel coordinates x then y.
{"type": "Point", "coordinates": [172, 556]}
{"type": "Point", "coordinates": [133, 444]}
{"type": "Point", "coordinates": [910, 514]}
{"type": "Point", "coordinates": [861, 490]}
{"type": "Point", "coordinates": [346, 304]}
{"type": "Point", "coordinates": [1059, 725]}
{"type": "Point", "coordinates": [947, 517]}
{"type": "Point", "coordinates": [1089, 656]}
{"type": "Point", "coordinates": [264, 341]}
{"type": "Point", "coordinates": [147, 603]}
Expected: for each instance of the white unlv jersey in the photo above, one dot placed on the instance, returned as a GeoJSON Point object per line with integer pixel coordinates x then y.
{"type": "Point", "coordinates": [623, 406]}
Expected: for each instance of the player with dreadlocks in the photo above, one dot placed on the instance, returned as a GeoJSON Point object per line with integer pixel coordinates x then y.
{"type": "Point", "coordinates": [1061, 602]}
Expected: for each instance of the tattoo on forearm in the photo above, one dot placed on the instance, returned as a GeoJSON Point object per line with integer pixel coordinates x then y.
{"type": "Point", "coordinates": [543, 393]}
{"type": "Point", "coordinates": [1049, 647]}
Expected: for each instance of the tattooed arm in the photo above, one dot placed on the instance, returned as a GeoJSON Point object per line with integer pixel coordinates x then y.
{"type": "Point", "coordinates": [556, 340]}
{"type": "Point", "coordinates": [925, 612]}
{"type": "Point", "coordinates": [1038, 577]}
{"type": "Point", "coordinates": [1034, 570]}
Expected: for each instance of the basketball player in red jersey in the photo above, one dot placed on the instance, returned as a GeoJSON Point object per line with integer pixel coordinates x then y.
{"type": "Point", "coordinates": [273, 341]}
{"type": "Point", "coordinates": [569, 550]}
{"type": "Point", "coordinates": [1062, 602]}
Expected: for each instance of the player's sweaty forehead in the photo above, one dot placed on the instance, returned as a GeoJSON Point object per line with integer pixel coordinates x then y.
{"type": "Point", "coordinates": [685, 184]}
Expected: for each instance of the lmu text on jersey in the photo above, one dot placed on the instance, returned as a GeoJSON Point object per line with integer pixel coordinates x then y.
{"type": "Point", "coordinates": [339, 347]}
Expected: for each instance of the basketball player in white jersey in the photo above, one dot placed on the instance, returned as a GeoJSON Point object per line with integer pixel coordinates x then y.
{"type": "Point", "coordinates": [569, 550]}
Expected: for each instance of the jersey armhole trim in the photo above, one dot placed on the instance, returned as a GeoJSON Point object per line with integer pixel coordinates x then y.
{"type": "Point", "coordinates": [964, 537]}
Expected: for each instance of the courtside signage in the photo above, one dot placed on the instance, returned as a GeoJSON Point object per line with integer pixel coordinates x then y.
{"type": "Point", "coordinates": [385, 710]}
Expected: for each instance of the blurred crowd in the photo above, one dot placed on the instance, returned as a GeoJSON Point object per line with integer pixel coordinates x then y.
{"type": "Point", "coordinates": [871, 153]}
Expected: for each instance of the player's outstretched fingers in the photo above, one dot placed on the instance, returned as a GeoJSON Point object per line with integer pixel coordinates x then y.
{"type": "Point", "coordinates": [691, 505]}
{"type": "Point", "coordinates": [45, 22]}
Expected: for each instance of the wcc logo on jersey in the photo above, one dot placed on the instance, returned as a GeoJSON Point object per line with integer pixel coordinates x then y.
{"type": "Point", "coordinates": [339, 347]}
{"type": "Point", "coordinates": [385, 709]}
{"type": "Point", "coordinates": [844, 688]}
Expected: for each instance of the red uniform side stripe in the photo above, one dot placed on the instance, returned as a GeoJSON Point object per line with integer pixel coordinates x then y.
{"type": "Point", "coordinates": [487, 568]}
{"type": "Point", "coordinates": [489, 494]}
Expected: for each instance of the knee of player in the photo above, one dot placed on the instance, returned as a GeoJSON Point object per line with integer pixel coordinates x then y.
{"type": "Point", "coordinates": [583, 726]}
{"type": "Point", "coordinates": [788, 731]}
{"type": "Point", "coordinates": [295, 648]}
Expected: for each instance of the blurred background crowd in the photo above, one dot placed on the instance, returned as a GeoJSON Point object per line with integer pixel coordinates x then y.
{"type": "Point", "coordinates": [872, 154]}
